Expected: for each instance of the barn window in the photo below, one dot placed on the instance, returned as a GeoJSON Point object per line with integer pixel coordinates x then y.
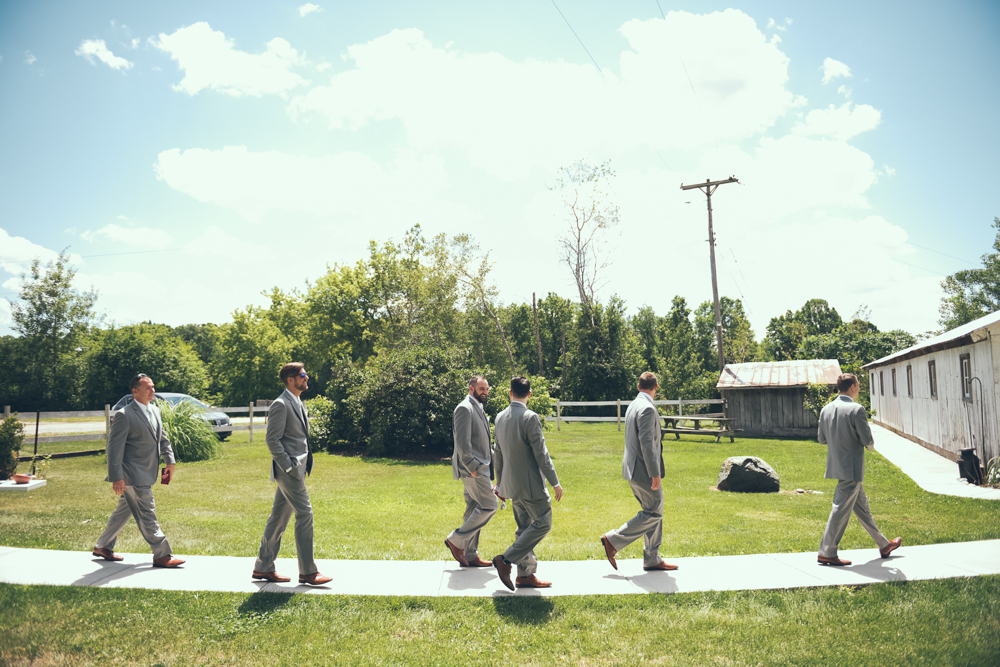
{"type": "Point", "coordinates": [893, 381]}
{"type": "Point", "coordinates": [909, 380]}
{"type": "Point", "coordinates": [881, 383]}
{"type": "Point", "coordinates": [966, 363]}
{"type": "Point", "coordinates": [932, 375]}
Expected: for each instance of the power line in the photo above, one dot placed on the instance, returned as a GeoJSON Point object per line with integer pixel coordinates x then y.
{"type": "Point", "coordinates": [599, 71]}
{"type": "Point", "coordinates": [661, 10]}
{"type": "Point", "coordinates": [919, 267]}
{"type": "Point", "coordinates": [923, 247]}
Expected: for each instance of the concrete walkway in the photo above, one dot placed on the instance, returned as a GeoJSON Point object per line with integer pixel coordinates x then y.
{"type": "Point", "coordinates": [932, 472]}
{"type": "Point", "coordinates": [447, 578]}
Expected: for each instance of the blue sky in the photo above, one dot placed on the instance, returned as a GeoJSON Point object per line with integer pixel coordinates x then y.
{"type": "Point", "coordinates": [192, 157]}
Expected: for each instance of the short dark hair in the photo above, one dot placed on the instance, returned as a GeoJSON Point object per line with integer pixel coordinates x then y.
{"type": "Point", "coordinates": [134, 383]}
{"type": "Point", "coordinates": [520, 386]}
{"type": "Point", "coordinates": [290, 370]}
{"type": "Point", "coordinates": [648, 381]}
{"type": "Point", "coordinates": [846, 381]}
{"type": "Point", "coordinates": [476, 379]}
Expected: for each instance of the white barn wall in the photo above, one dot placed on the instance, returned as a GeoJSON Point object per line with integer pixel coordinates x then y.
{"type": "Point", "coordinates": [942, 422]}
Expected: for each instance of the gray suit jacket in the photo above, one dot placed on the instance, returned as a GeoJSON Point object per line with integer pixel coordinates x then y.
{"type": "Point", "coordinates": [288, 436]}
{"type": "Point", "coordinates": [843, 427]}
{"type": "Point", "coordinates": [521, 459]}
{"type": "Point", "coordinates": [643, 457]}
{"type": "Point", "coordinates": [135, 447]}
{"type": "Point", "coordinates": [470, 428]}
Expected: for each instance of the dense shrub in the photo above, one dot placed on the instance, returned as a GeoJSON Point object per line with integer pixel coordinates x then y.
{"type": "Point", "coordinates": [11, 437]}
{"type": "Point", "coordinates": [191, 437]}
{"type": "Point", "coordinates": [540, 401]}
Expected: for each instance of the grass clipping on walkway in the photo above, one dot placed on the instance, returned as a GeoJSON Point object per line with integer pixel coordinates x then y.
{"type": "Point", "coordinates": [945, 622]}
{"type": "Point", "coordinates": [385, 509]}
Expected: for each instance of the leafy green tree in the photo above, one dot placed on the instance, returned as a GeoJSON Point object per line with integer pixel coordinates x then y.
{"type": "Point", "coordinates": [738, 340]}
{"type": "Point", "coordinates": [855, 344]}
{"type": "Point", "coordinates": [117, 354]}
{"type": "Point", "coordinates": [649, 328]}
{"type": "Point", "coordinates": [683, 374]}
{"type": "Point", "coordinates": [205, 340]}
{"type": "Point", "coordinates": [785, 333]}
{"type": "Point", "coordinates": [51, 317]}
{"type": "Point", "coordinates": [972, 293]}
{"type": "Point", "coordinates": [253, 351]}
{"type": "Point", "coordinates": [607, 358]}
{"type": "Point", "coordinates": [556, 316]}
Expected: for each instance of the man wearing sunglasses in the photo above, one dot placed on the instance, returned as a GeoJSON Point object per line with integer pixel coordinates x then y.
{"type": "Point", "coordinates": [135, 445]}
{"type": "Point", "coordinates": [291, 460]}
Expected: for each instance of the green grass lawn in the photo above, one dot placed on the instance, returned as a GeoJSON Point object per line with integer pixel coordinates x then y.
{"type": "Point", "coordinates": [947, 622]}
{"type": "Point", "coordinates": [384, 509]}
{"type": "Point", "coordinates": [387, 509]}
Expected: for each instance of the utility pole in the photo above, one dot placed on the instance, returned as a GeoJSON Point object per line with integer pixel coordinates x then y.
{"type": "Point", "coordinates": [708, 187]}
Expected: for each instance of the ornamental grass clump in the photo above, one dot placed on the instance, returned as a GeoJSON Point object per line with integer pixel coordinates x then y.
{"type": "Point", "coordinates": [191, 437]}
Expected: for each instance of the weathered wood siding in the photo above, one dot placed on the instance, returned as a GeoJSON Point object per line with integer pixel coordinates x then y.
{"type": "Point", "coordinates": [942, 422]}
{"type": "Point", "coordinates": [763, 412]}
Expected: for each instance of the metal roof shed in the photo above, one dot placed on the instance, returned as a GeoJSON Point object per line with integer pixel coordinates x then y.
{"type": "Point", "coordinates": [764, 399]}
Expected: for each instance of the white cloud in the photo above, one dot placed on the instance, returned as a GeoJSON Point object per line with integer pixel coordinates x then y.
{"type": "Point", "coordinates": [17, 253]}
{"type": "Point", "coordinates": [834, 68]}
{"type": "Point", "coordinates": [771, 25]}
{"type": "Point", "coordinates": [209, 60]}
{"type": "Point", "coordinates": [889, 171]}
{"type": "Point", "coordinates": [143, 237]}
{"type": "Point", "coordinates": [347, 186]}
{"type": "Point", "coordinates": [322, 67]}
{"type": "Point", "coordinates": [479, 124]}
{"type": "Point", "coordinates": [308, 8]}
{"type": "Point", "coordinates": [508, 116]}
{"type": "Point", "coordinates": [134, 43]}
{"type": "Point", "coordinates": [840, 123]}
{"type": "Point", "coordinates": [29, 59]}
{"type": "Point", "coordinates": [96, 48]}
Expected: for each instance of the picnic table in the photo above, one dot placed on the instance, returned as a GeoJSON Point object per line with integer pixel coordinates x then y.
{"type": "Point", "coordinates": [672, 424]}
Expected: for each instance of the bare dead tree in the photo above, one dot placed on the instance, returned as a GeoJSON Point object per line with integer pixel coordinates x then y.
{"type": "Point", "coordinates": [475, 278]}
{"type": "Point", "coordinates": [586, 191]}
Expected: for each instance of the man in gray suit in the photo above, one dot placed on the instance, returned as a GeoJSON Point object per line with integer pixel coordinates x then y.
{"type": "Point", "coordinates": [291, 460]}
{"type": "Point", "coordinates": [135, 445]}
{"type": "Point", "coordinates": [642, 468]}
{"type": "Point", "coordinates": [522, 465]}
{"type": "Point", "coordinates": [843, 428]}
{"type": "Point", "coordinates": [472, 462]}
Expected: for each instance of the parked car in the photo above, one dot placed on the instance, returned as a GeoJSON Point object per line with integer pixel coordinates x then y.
{"type": "Point", "coordinates": [213, 418]}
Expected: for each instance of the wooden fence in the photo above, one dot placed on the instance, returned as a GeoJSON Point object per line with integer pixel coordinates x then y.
{"type": "Point", "coordinates": [680, 403]}
{"type": "Point", "coordinates": [261, 408]}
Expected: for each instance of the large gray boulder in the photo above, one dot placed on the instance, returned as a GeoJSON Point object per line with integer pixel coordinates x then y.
{"type": "Point", "coordinates": [747, 474]}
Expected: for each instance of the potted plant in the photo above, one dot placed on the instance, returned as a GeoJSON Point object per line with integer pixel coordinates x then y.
{"type": "Point", "coordinates": [11, 437]}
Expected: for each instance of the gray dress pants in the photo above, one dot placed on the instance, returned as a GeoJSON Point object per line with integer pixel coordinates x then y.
{"type": "Point", "coordinates": [480, 506]}
{"type": "Point", "coordinates": [647, 524]}
{"type": "Point", "coordinates": [849, 497]}
{"type": "Point", "coordinates": [534, 521]}
{"type": "Point", "coordinates": [290, 496]}
{"type": "Point", "coordinates": [137, 501]}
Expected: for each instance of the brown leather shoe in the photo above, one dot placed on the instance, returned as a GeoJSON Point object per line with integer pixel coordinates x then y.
{"type": "Point", "coordinates": [271, 576]}
{"type": "Point", "coordinates": [503, 569]}
{"type": "Point", "coordinates": [836, 562]}
{"type": "Point", "coordinates": [531, 581]}
{"type": "Point", "coordinates": [106, 554]}
{"type": "Point", "coordinates": [314, 579]}
{"type": "Point", "coordinates": [609, 551]}
{"type": "Point", "coordinates": [167, 561]}
{"type": "Point", "coordinates": [662, 565]}
{"type": "Point", "coordinates": [457, 553]}
{"type": "Point", "coordinates": [889, 548]}
{"type": "Point", "coordinates": [479, 562]}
